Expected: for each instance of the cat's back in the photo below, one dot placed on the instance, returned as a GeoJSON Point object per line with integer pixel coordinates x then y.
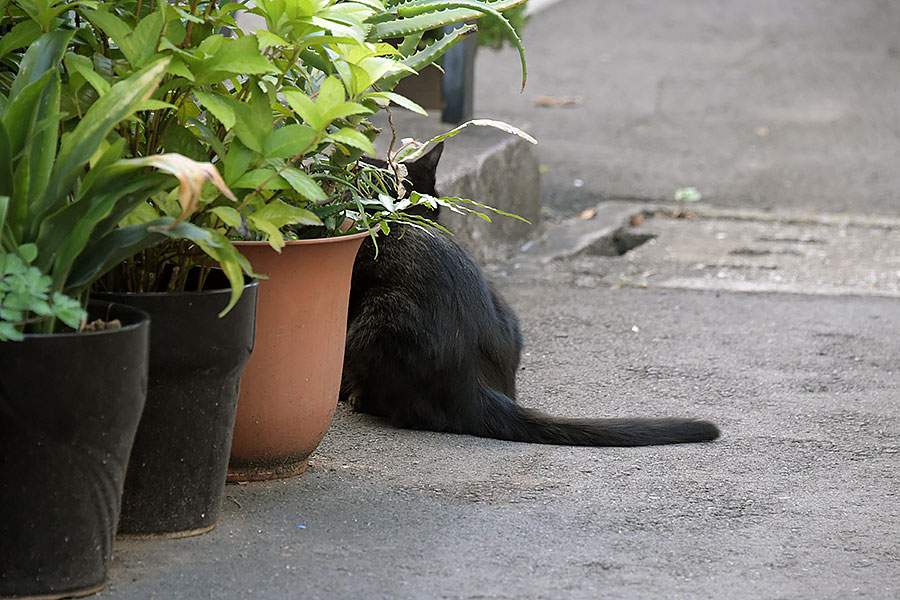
{"type": "Point", "coordinates": [422, 263]}
{"type": "Point", "coordinates": [425, 282]}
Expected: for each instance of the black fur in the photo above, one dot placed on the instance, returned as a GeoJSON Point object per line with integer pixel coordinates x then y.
{"type": "Point", "coordinates": [431, 346]}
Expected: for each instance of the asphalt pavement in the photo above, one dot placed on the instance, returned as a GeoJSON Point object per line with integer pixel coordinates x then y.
{"type": "Point", "coordinates": [770, 307]}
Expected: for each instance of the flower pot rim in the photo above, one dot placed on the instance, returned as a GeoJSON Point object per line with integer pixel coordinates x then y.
{"type": "Point", "coordinates": [319, 240]}
{"type": "Point", "coordinates": [140, 317]}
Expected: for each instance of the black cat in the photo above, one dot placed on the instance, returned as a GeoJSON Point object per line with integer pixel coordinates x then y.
{"type": "Point", "coordinates": [431, 346]}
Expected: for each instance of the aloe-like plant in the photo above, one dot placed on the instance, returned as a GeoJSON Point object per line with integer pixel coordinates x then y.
{"type": "Point", "coordinates": [62, 196]}
{"type": "Point", "coordinates": [493, 36]}
{"type": "Point", "coordinates": [410, 19]}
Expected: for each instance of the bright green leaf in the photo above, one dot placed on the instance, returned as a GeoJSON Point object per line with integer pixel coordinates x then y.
{"type": "Point", "coordinates": [261, 177]}
{"type": "Point", "coordinates": [290, 140]}
{"type": "Point", "coordinates": [353, 138]}
{"type": "Point", "coordinates": [240, 57]}
{"type": "Point", "coordinates": [308, 110]}
{"type": "Point", "coordinates": [230, 216]}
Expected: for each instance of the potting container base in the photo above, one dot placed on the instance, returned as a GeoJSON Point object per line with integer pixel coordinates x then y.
{"type": "Point", "coordinates": [260, 473]}
{"type": "Point", "coordinates": [165, 535]}
{"type": "Point", "coordinates": [57, 595]}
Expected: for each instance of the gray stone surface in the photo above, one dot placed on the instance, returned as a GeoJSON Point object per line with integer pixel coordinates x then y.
{"type": "Point", "coordinates": [763, 105]}
{"type": "Point", "coordinates": [710, 248]}
{"type": "Point", "coordinates": [797, 500]}
{"type": "Point", "coordinates": [785, 115]}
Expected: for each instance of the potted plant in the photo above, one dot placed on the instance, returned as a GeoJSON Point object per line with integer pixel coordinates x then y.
{"type": "Point", "coordinates": [292, 382]}
{"type": "Point", "coordinates": [176, 482]}
{"type": "Point", "coordinates": [283, 113]}
{"type": "Point", "coordinates": [70, 398]}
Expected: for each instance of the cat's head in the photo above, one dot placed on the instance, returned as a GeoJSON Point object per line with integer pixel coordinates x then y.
{"type": "Point", "coordinates": [421, 174]}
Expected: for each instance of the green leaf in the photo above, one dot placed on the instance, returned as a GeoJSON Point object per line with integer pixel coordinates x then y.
{"type": "Point", "coordinates": [308, 110]}
{"type": "Point", "coordinates": [105, 253]}
{"type": "Point", "coordinates": [290, 140]}
{"type": "Point", "coordinates": [230, 216]}
{"type": "Point", "coordinates": [210, 45]}
{"type": "Point", "coordinates": [180, 140]}
{"type": "Point", "coordinates": [253, 123]}
{"type": "Point", "coordinates": [42, 56]}
{"type": "Point", "coordinates": [144, 212]}
{"type": "Point", "coordinates": [232, 263]}
{"type": "Point", "coordinates": [331, 94]}
{"type": "Point", "coordinates": [238, 57]}
{"type": "Point", "coordinates": [117, 29]}
{"type": "Point", "coordinates": [6, 172]}
{"type": "Point", "coordinates": [207, 135]}
{"type": "Point", "coordinates": [281, 213]}
{"type": "Point", "coordinates": [9, 333]}
{"type": "Point", "coordinates": [345, 109]}
{"type": "Point", "coordinates": [67, 232]}
{"type": "Point", "coordinates": [236, 162]}
{"type": "Point", "coordinates": [275, 237]}
{"type": "Point", "coordinates": [4, 205]}
{"type": "Point", "coordinates": [84, 66]}
{"type": "Point", "coordinates": [78, 146]}
{"type": "Point", "coordinates": [146, 34]}
{"type": "Point", "coordinates": [153, 104]}
{"type": "Point", "coordinates": [387, 97]}
{"type": "Point", "coordinates": [217, 106]}
{"type": "Point", "coordinates": [179, 68]}
{"type": "Point", "coordinates": [417, 150]}
{"type": "Point", "coordinates": [68, 310]}
{"type": "Point", "coordinates": [32, 124]}
{"type": "Point", "coordinates": [426, 56]}
{"type": "Point", "coordinates": [303, 184]}
{"type": "Point", "coordinates": [44, 12]}
{"type": "Point", "coordinates": [27, 252]}
{"type": "Point", "coordinates": [19, 36]}
{"type": "Point", "coordinates": [22, 113]}
{"type": "Point", "coordinates": [396, 28]}
{"type": "Point", "coordinates": [375, 68]}
{"type": "Point", "coordinates": [258, 177]}
{"type": "Point", "coordinates": [268, 39]}
{"type": "Point", "coordinates": [353, 138]}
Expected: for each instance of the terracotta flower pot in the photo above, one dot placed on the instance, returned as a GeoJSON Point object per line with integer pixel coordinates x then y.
{"type": "Point", "coordinates": [290, 386]}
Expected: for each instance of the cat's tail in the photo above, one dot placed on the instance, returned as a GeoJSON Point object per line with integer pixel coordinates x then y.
{"type": "Point", "coordinates": [504, 419]}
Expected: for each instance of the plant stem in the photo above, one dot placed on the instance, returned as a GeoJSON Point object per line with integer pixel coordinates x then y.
{"type": "Point", "coordinates": [190, 25]}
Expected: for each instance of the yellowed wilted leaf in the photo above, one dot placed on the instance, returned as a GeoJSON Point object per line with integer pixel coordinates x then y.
{"type": "Point", "coordinates": [191, 176]}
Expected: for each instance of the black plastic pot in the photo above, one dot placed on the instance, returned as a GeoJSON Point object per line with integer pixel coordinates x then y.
{"type": "Point", "coordinates": [69, 408]}
{"type": "Point", "coordinates": [176, 475]}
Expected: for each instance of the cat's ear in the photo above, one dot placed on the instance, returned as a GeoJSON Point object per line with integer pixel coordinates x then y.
{"type": "Point", "coordinates": [429, 160]}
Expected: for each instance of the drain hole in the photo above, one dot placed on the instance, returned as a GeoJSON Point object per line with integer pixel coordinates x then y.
{"type": "Point", "coordinates": [618, 242]}
{"type": "Point", "coordinates": [626, 241]}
